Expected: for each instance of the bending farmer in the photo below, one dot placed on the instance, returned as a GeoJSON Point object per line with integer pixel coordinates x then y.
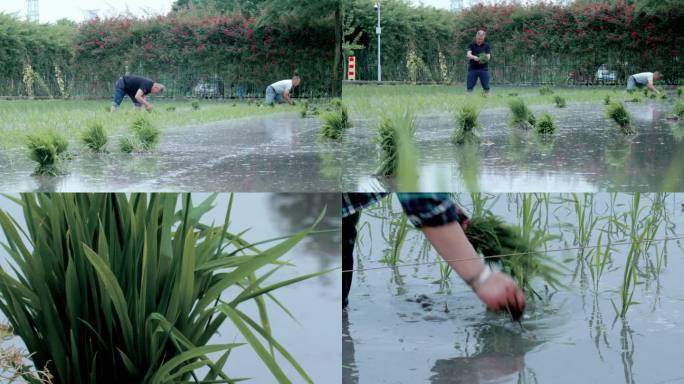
{"type": "Point", "coordinates": [136, 87]}
{"type": "Point", "coordinates": [279, 92]}
{"type": "Point", "coordinates": [477, 66]}
{"type": "Point", "coordinates": [643, 79]}
{"type": "Point", "coordinates": [442, 223]}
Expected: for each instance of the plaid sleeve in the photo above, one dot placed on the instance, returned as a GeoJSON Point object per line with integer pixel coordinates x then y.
{"type": "Point", "coordinates": [429, 209]}
{"type": "Point", "coordinates": [355, 202]}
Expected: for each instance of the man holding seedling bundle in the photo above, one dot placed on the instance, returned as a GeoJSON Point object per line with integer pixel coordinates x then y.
{"type": "Point", "coordinates": [443, 224]}
{"type": "Point", "coordinates": [644, 79]}
{"type": "Point", "coordinates": [136, 87]}
{"type": "Point", "coordinates": [279, 92]}
{"type": "Point", "coordinates": [478, 55]}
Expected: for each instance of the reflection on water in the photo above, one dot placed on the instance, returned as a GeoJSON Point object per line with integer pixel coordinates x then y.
{"type": "Point", "coordinates": [587, 153]}
{"type": "Point", "coordinates": [431, 331]}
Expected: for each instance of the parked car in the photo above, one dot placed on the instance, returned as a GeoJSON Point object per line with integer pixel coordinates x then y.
{"type": "Point", "coordinates": [209, 89]}
{"type": "Point", "coordinates": [606, 75]}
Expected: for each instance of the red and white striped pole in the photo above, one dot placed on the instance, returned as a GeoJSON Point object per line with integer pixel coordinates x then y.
{"type": "Point", "coordinates": [351, 68]}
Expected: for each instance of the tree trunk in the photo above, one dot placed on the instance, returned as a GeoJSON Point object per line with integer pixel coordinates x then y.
{"type": "Point", "coordinates": [338, 64]}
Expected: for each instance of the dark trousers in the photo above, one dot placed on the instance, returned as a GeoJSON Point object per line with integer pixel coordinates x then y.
{"type": "Point", "coordinates": [348, 240]}
{"type": "Point", "coordinates": [473, 75]}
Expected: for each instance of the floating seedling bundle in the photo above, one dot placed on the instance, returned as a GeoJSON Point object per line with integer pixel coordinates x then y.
{"type": "Point", "coordinates": [335, 121]}
{"type": "Point", "coordinates": [48, 150]}
{"type": "Point", "coordinates": [94, 138]}
{"type": "Point", "coordinates": [390, 132]}
{"type": "Point", "coordinates": [545, 125]}
{"type": "Point", "coordinates": [521, 116]}
{"type": "Point", "coordinates": [466, 125]}
{"type": "Point", "coordinates": [619, 114]}
{"type": "Point", "coordinates": [503, 246]}
{"type": "Point", "coordinates": [560, 101]}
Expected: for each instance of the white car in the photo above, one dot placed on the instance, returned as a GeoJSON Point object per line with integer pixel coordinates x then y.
{"type": "Point", "coordinates": [606, 75]}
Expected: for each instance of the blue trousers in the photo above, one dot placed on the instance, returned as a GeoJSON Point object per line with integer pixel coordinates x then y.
{"type": "Point", "coordinates": [473, 75]}
{"type": "Point", "coordinates": [272, 96]}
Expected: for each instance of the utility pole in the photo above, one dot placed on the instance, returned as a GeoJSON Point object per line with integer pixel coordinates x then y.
{"type": "Point", "coordinates": [32, 11]}
{"type": "Point", "coordinates": [378, 31]}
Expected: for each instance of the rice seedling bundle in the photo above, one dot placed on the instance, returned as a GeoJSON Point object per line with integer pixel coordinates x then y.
{"type": "Point", "coordinates": [170, 109]}
{"type": "Point", "coordinates": [483, 58]}
{"type": "Point", "coordinates": [545, 125]}
{"type": "Point", "coordinates": [678, 109]}
{"type": "Point", "coordinates": [146, 133]}
{"type": "Point", "coordinates": [116, 288]}
{"type": "Point", "coordinates": [504, 246]}
{"type": "Point", "coordinates": [466, 125]}
{"type": "Point", "coordinates": [521, 115]}
{"type": "Point", "coordinates": [304, 109]}
{"type": "Point", "coordinates": [545, 90]}
{"type": "Point", "coordinates": [560, 102]}
{"type": "Point", "coordinates": [127, 145]}
{"type": "Point", "coordinates": [388, 136]}
{"type": "Point", "coordinates": [335, 121]}
{"type": "Point", "coordinates": [606, 100]}
{"type": "Point", "coordinates": [95, 138]}
{"type": "Point", "coordinates": [195, 104]}
{"type": "Point", "coordinates": [46, 149]}
{"type": "Point", "coordinates": [619, 114]}
{"type": "Point", "coordinates": [680, 91]}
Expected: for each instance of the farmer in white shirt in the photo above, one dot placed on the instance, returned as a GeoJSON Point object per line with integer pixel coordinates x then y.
{"type": "Point", "coordinates": [280, 91]}
{"type": "Point", "coordinates": [642, 79]}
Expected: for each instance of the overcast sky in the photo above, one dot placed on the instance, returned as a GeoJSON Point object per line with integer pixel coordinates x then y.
{"type": "Point", "coordinates": [52, 10]}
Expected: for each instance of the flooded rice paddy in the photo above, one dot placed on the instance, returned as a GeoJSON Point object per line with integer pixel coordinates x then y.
{"type": "Point", "coordinates": [412, 325]}
{"type": "Point", "coordinates": [276, 153]}
{"type": "Point", "coordinates": [587, 153]}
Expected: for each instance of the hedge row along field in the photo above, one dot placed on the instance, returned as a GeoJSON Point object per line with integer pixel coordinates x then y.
{"type": "Point", "coordinates": [180, 49]}
{"type": "Point", "coordinates": [540, 43]}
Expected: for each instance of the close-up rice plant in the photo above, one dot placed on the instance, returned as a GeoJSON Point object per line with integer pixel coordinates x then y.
{"type": "Point", "coordinates": [117, 288]}
{"type": "Point", "coordinates": [333, 125]}
{"type": "Point", "coordinates": [466, 125]}
{"type": "Point", "coordinates": [619, 114]}
{"type": "Point", "coordinates": [521, 115]}
{"type": "Point", "coordinates": [146, 133]}
{"type": "Point", "coordinates": [560, 101]}
{"type": "Point", "coordinates": [94, 138]}
{"type": "Point", "coordinates": [48, 150]}
{"type": "Point", "coordinates": [545, 125]}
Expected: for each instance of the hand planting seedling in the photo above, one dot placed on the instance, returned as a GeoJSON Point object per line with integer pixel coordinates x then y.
{"type": "Point", "coordinates": [619, 114]}
{"type": "Point", "coordinates": [94, 138]}
{"type": "Point", "coordinates": [48, 150]}
{"type": "Point", "coordinates": [119, 288]}
{"type": "Point", "coordinates": [545, 125]}
{"type": "Point", "coordinates": [503, 246]}
{"type": "Point", "coordinates": [466, 124]}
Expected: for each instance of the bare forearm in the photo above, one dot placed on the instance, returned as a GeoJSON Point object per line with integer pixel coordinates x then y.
{"type": "Point", "coordinates": [452, 244]}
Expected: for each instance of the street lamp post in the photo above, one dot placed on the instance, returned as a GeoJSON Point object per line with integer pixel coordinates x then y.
{"type": "Point", "coordinates": [378, 31]}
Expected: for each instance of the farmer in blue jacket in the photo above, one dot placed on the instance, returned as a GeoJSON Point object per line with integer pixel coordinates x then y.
{"type": "Point", "coordinates": [442, 223]}
{"type": "Point", "coordinates": [477, 67]}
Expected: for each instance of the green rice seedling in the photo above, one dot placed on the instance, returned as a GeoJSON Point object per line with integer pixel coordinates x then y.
{"type": "Point", "coordinates": [388, 140]}
{"type": "Point", "coordinates": [170, 109]}
{"type": "Point", "coordinates": [513, 94]}
{"type": "Point", "coordinates": [629, 280]}
{"type": "Point", "coordinates": [333, 125]}
{"type": "Point", "coordinates": [545, 90]}
{"type": "Point", "coordinates": [304, 109]}
{"type": "Point", "coordinates": [606, 100]}
{"type": "Point", "coordinates": [521, 115]}
{"type": "Point", "coordinates": [680, 91]}
{"type": "Point", "coordinates": [407, 161]}
{"type": "Point", "coordinates": [146, 133]}
{"type": "Point", "coordinates": [195, 104]}
{"type": "Point", "coordinates": [397, 239]}
{"type": "Point", "coordinates": [118, 288]}
{"type": "Point", "coordinates": [652, 96]}
{"type": "Point", "coordinates": [94, 138]}
{"type": "Point", "coordinates": [599, 258]}
{"type": "Point", "coordinates": [560, 101]}
{"type": "Point", "coordinates": [483, 58]}
{"type": "Point", "coordinates": [127, 144]}
{"type": "Point", "coordinates": [619, 114]}
{"type": "Point", "coordinates": [545, 125]}
{"type": "Point", "coordinates": [503, 245]}
{"type": "Point", "coordinates": [466, 125]}
{"type": "Point", "coordinates": [663, 96]}
{"type": "Point", "coordinates": [47, 149]}
{"type": "Point", "coordinates": [586, 220]}
{"type": "Point", "coordinates": [645, 92]}
{"type": "Point", "coordinates": [635, 99]}
{"type": "Point", "coordinates": [678, 109]}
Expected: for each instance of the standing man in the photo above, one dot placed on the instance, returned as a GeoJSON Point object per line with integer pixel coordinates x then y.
{"type": "Point", "coordinates": [136, 87]}
{"type": "Point", "coordinates": [477, 67]}
{"type": "Point", "coordinates": [644, 79]}
{"type": "Point", "coordinates": [280, 91]}
{"type": "Point", "coordinates": [442, 223]}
